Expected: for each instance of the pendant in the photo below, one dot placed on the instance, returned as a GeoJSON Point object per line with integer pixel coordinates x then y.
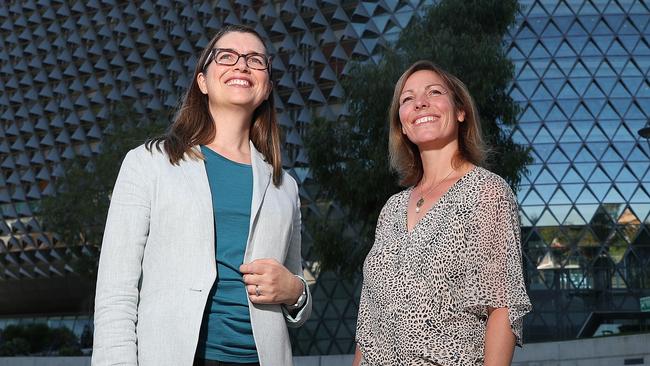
{"type": "Point", "coordinates": [419, 204]}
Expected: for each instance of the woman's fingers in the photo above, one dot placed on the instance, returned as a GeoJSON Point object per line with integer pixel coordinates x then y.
{"type": "Point", "coordinates": [254, 291]}
{"type": "Point", "coordinates": [252, 279]}
{"type": "Point", "coordinates": [268, 281]}
{"type": "Point", "coordinates": [260, 295]}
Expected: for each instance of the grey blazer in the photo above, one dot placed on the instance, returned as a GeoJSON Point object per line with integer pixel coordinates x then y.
{"type": "Point", "coordinates": [157, 263]}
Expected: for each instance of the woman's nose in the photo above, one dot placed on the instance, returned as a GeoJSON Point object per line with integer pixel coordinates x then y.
{"type": "Point", "coordinates": [421, 103]}
{"type": "Point", "coordinates": [241, 64]}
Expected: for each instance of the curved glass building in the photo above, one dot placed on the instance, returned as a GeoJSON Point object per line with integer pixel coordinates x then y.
{"type": "Point", "coordinates": [582, 80]}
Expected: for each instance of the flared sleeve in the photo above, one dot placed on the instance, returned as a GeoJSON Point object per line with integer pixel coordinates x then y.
{"type": "Point", "coordinates": [494, 259]}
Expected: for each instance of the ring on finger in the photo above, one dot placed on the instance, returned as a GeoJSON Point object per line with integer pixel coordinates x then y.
{"type": "Point", "coordinates": [257, 291]}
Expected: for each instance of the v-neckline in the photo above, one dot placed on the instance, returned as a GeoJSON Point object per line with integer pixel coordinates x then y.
{"type": "Point", "coordinates": [435, 204]}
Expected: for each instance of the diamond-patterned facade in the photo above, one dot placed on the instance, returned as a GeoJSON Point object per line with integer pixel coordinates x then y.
{"type": "Point", "coordinates": [581, 78]}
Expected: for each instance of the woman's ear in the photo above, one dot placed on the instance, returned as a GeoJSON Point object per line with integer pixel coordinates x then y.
{"type": "Point", "coordinates": [200, 80]}
{"type": "Point", "coordinates": [460, 116]}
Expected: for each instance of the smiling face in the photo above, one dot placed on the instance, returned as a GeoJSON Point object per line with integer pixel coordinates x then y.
{"type": "Point", "coordinates": [427, 112]}
{"type": "Point", "coordinates": [236, 85]}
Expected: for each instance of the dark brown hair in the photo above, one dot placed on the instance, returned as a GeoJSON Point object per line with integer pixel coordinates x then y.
{"type": "Point", "coordinates": [193, 124]}
{"type": "Point", "coordinates": [405, 156]}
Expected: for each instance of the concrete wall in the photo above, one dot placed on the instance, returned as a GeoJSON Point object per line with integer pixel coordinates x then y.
{"type": "Point", "coordinates": [606, 351]}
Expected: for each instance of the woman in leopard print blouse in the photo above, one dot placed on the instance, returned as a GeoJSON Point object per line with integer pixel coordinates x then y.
{"type": "Point", "coordinates": [443, 282]}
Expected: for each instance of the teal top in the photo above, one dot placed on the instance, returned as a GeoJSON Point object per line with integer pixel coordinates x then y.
{"type": "Point", "coordinates": [226, 332]}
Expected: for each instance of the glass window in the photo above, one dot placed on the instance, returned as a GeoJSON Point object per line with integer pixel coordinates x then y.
{"type": "Point", "coordinates": [559, 198]}
{"type": "Point", "coordinates": [526, 45]}
{"type": "Point", "coordinates": [539, 51]}
{"type": "Point", "coordinates": [540, 65]}
{"type": "Point", "coordinates": [622, 134]}
{"type": "Point", "coordinates": [532, 199]}
{"type": "Point", "coordinates": [528, 87]}
{"type": "Point", "coordinates": [613, 196]}
{"type": "Point", "coordinates": [578, 71]}
{"type": "Point", "coordinates": [543, 150]}
{"type": "Point", "coordinates": [532, 211]}
{"type": "Point", "coordinates": [553, 71]}
{"type": "Point", "coordinates": [611, 168]}
{"type": "Point", "coordinates": [611, 155]}
{"type": "Point", "coordinates": [591, 49]}
{"type": "Point", "coordinates": [580, 84]}
{"type": "Point", "coordinates": [617, 49]}
{"type": "Point", "coordinates": [572, 189]}
{"type": "Point", "coordinates": [637, 168]}
{"type": "Point", "coordinates": [519, 138]}
{"type": "Point", "coordinates": [547, 221]}
{"type": "Point", "coordinates": [542, 93]}
{"type": "Point", "coordinates": [586, 197]}
{"type": "Point", "coordinates": [569, 135]}
{"type": "Point", "coordinates": [577, 29]}
{"type": "Point", "coordinates": [558, 157]}
{"type": "Point", "coordinates": [574, 218]}
{"type": "Point", "coordinates": [584, 156]}
{"type": "Point", "coordinates": [603, 40]}
{"type": "Point", "coordinates": [529, 129]}
{"type": "Point", "coordinates": [543, 136]}
{"type": "Point", "coordinates": [556, 114]}
{"type": "Point", "coordinates": [546, 190]}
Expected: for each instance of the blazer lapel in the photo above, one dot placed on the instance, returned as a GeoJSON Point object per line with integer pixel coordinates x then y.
{"type": "Point", "coordinates": [261, 180]}
{"type": "Point", "coordinates": [197, 179]}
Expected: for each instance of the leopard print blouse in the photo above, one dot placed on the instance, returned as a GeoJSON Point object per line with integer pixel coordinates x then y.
{"type": "Point", "coordinates": [426, 292]}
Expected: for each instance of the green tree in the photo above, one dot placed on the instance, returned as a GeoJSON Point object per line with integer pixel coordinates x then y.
{"type": "Point", "coordinates": [77, 212]}
{"type": "Point", "coordinates": [38, 339]}
{"type": "Point", "coordinates": [349, 158]}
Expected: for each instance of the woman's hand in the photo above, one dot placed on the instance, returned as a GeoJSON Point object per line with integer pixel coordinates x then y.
{"type": "Point", "coordinates": [269, 282]}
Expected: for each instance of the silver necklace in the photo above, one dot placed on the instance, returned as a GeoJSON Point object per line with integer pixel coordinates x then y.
{"type": "Point", "coordinates": [420, 202]}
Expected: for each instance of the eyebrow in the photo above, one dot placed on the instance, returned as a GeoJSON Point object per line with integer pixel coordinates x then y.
{"type": "Point", "coordinates": [246, 53]}
{"type": "Point", "coordinates": [426, 87]}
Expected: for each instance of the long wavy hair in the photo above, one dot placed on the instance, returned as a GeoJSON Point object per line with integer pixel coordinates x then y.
{"type": "Point", "coordinates": [193, 125]}
{"type": "Point", "coordinates": [405, 156]}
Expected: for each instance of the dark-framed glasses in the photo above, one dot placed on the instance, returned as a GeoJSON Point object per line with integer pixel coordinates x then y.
{"type": "Point", "coordinates": [229, 57]}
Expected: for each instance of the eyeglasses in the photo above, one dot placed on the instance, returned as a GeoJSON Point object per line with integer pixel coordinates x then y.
{"type": "Point", "coordinates": [228, 57]}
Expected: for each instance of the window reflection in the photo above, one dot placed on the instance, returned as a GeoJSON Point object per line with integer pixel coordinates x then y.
{"type": "Point", "coordinates": [601, 253]}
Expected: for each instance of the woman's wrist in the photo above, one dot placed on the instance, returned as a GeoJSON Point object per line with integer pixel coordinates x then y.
{"type": "Point", "coordinates": [300, 293]}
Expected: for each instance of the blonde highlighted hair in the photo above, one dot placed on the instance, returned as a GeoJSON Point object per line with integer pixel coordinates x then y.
{"type": "Point", "coordinates": [405, 156]}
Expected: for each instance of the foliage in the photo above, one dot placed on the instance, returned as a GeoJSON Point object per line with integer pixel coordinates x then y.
{"type": "Point", "coordinates": [77, 213]}
{"type": "Point", "coordinates": [38, 339]}
{"type": "Point", "coordinates": [86, 339]}
{"type": "Point", "coordinates": [349, 158]}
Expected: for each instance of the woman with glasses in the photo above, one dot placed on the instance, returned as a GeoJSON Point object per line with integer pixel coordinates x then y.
{"type": "Point", "coordinates": [200, 263]}
{"type": "Point", "coordinates": [443, 282]}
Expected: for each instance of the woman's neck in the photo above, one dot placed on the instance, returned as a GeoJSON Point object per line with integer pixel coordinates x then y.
{"type": "Point", "coordinates": [437, 163]}
{"type": "Point", "coordinates": [232, 135]}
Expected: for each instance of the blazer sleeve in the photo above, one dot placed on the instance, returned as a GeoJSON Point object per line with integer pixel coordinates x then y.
{"type": "Point", "coordinates": [125, 235]}
{"type": "Point", "coordinates": [293, 262]}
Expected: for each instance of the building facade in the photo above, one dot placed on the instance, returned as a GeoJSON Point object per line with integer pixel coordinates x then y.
{"type": "Point", "coordinates": [582, 80]}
